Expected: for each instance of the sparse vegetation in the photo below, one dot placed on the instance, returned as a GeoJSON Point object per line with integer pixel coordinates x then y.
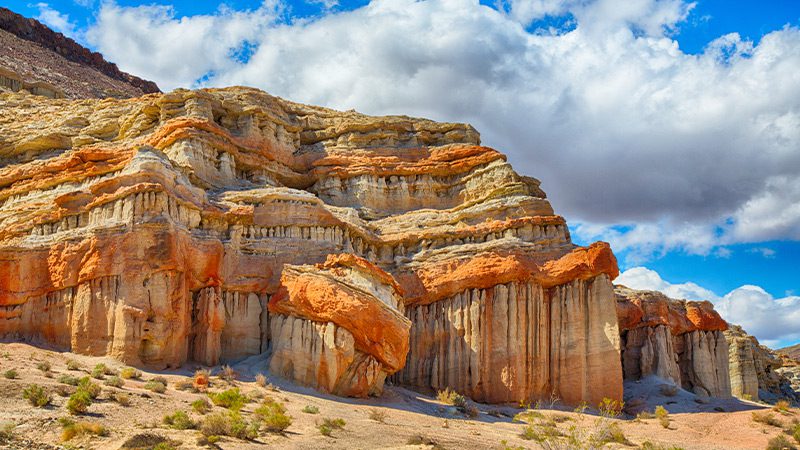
{"type": "Point", "coordinates": [179, 420]}
{"type": "Point", "coordinates": [311, 409]}
{"type": "Point", "coordinates": [79, 402]}
{"type": "Point", "coordinates": [100, 371]}
{"type": "Point", "coordinates": [662, 415]}
{"type": "Point", "coordinates": [68, 379]}
{"type": "Point", "coordinates": [122, 399]}
{"type": "Point", "coordinates": [581, 408]}
{"type": "Point", "coordinates": [328, 425]}
{"type": "Point", "coordinates": [644, 415]}
{"type": "Point", "coordinates": [202, 380]}
{"type": "Point", "coordinates": [228, 374]}
{"type": "Point", "coordinates": [419, 439]}
{"type": "Point", "coordinates": [451, 397]}
{"type": "Point", "coordinates": [185, 384]}
{"type": "Point", "coordinates": [610, 408]}
{"type": "Point", "coordinates": [156, 386]}
{"type": "Point", "coordinates": [540, 431]}
{"type": "Point", "coordinates": [780, 442]}
{"type": "Point", "coordinates": [36, 396]}
{"type": "Point", "coordinates": [129, 373]}
{"type": "Point", "coordinates": [228, 423]}
{"type": "Point", "coordinates": [608, 432]}
{"type": "Point", "coordinates": [114, 381]}
{"type": "Point", "coordinates": [767, 418]}
{"type": "Point", "coordinates": [71, 429]}
{"type": "Point", "coordinates": [91, 388]}
{"type": "Point", "coordinates": [794, 430]}
{"type": "Point", "coordinates": [261, 380]}
{"type": "Point", "coordinates": [782, 406]}
{"type": "Point", "coordinates": [6, 431]}
{"type": "Point", "coordinates": [528, 416]}
{"type": "Point", "coordinates": [11, 374]}
{"type": "Point", "coordinates": [73, 365]}
{"type": "Point", "coordinates": [147, 440]}
{"type": "Point", "coordinates": [647, 445]}
{"type": "Point", "coordinates": [272, 416]}
{"type": "Point", "coordinates": [44, 366]}
{"type": "Point", "coordinates": [201, 406]}
{"type": "Point", "coordinates": [378, 415]}
{"type": "Point", "coordinates": [231, 399]}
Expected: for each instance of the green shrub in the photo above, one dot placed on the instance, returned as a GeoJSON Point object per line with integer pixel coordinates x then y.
{"type": "Point", "coordinates": [99, 371]}
{"type": "Point", "coordinates": [114, 381]}
{"type": "Point", "coordinates": [44, 366]}
{"type": "Point", "coordinates": [228, 423]}
{"type": "Point", "coordinates": [541, 432]}
{"type": "Point", "coordinates": [311, 409]}
{"type": "Point", "coordinates": [662, 415]}
{"type": "Point", "coordinates": [610, 408]}
{"type": "Point", "coordinates": [79, 402]}
{"type": "Point", "coordinates": [36, 396]}
{"type": "Point", "coordinates": [129, 373]}
{"type": "Point", "coordinates": [155, 386]}
{"type": "Point", "coordinates": [179, 420]}
{"type": "Point", "coordinates": [780, 442]}
{"type": "Point", "coordinates": [231, 399]}
{"type": "Point", "coordinates": [795, 431]}
{"type": "Point", "coordinates": [273, 416]}
{"type": "Point", "coordinates": [451, 397]}
{"type": "Point", "coordinates": [328, 425]}
{"type": "Point", "coordinates": [91, 388]}
{"type": "Point", "coordinates": [73, 365]}
{"type": "Point", "coordinates": [201, 406]}
{"type": "Point", "coordinates": [68, 379]}
{"type": "Point", "coordinates": [11, 374]}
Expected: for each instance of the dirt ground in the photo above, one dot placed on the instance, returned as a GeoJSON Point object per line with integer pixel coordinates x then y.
{"type": "Point", "coordinates": [410, 417]}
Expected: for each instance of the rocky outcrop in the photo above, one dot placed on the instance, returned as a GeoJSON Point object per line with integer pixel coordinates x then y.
{"type": "Point", "coordinates": [679, 341]}
{"type": "Point", "coordinates": [756, 371]}
{"type": "Point", "coordinates": [216, 224]}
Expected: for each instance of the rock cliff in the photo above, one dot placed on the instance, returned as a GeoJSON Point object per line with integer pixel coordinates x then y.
{"type": "Point", "coordinates": [757, 372]}
{"type": "Point", "coordinates": [43, 62]}
{"type": "Point", "coordinates": [216, 224]}
{"type": "Point", "coordinates": [680, 341]}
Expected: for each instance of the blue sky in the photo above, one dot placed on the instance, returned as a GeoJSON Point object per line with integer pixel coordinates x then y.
{"type": "Point", "coordinates": [669, 128]}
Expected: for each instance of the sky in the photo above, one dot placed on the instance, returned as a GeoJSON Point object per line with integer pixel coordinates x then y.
{"type": "Point", "coordinates": [669, 128]}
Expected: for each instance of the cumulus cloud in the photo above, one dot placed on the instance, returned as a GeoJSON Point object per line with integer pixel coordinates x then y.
{"type": "Point", "coordinates": [621, 126]}
{"type": "Point", "coordinates": [774, 321]}
{"type": "Point", "coordinates": [55, 19]}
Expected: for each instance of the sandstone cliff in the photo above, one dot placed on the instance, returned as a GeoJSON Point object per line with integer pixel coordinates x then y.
{"type": "Point", "coordinates": [756, 371]}
{"type": "Point", "coordinates": [680, 341]}
{"type": "Point", "coordinates": [197, 225]}
{"type": "Point", "coordinates": [43, 62]}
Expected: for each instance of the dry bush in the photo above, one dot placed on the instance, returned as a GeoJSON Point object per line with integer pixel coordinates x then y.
{"type": "Point", "coordinates": [114, 381]}
{"type": "Point", "coordinates": [202, 379]}
{"type": "Point", "coordinates": [261, 380]}
{"type": "Point", "coordinates": [129, 373]}
{"type": "Point", "coordinates": [122, 399]}
{"type": "Point", "coordinates": [6, 431]}
{"type": "Point", "coordinates": [378, 415]}
{"type": "Point", "coordinates": [185, 384]}
{"type": "Point", "coordinates": [201, 406]}
{"type": "Point", "coordinates": [782, 406]}
{"type": "Point", "coordinates": [145, 440]}
{"type": "Point", "coordinates": [780, 442]}
{"type": "Point", "coordinates": [73, 365]}
{"type": "Point", "coordinates": [610, 408]}
{"type": "Point", "coordinates": [68, 379]}
{"type": "Point", "coordinates": [228, 423]}
{"type": "Point", "coordinates": [156, 386]}
{"type": "Point", "coordinates": [71, 429]}
{"type": "Point", "coordinates": [179, 420]}
{"type": "Point", "coordinates": [228, 374]}
{"type": "Point", "coordinates": [767, 418]}
{"type": "Point", "coordinates": [328, 425]}
{"type": "Point", "coordinates": [11, 374]}
{"type": "Point", "coordinates": [311, 409]}
{"type": "Point", "coordinates": [44, 366]}
{"type": "Point", "coordinates": [451, 397]}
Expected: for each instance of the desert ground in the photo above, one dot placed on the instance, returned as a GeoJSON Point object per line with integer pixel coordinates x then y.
{"type": "Point", "coordinates": [400, 418]}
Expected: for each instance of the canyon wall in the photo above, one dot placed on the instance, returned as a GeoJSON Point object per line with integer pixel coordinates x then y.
{"type": "Point", "coordinates": [676, 340]}
{"type": "Point", "coordinates": [215, 224]}
{"type": "Point", "coordinates": [757, 372]}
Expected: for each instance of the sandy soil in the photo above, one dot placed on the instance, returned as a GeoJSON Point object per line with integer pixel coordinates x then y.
{"type": "Point", "coordinates": [694, 423]}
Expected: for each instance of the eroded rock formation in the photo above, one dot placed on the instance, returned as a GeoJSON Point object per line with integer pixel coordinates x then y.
{"type": "Point", "coordinates": [680, 341]}
{"type": "Point", "coordinates": [200, 225]}
{"type": "Point", "coordinates": [757, 372]}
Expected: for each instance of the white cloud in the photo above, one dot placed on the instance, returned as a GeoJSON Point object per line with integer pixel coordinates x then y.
{"type": "Point", "coordinates": [55, 20]}
{"type": "Point", "coordinates": [774, 322]}
{"type": "Point", "coordinates": [621, 126]}
{"type": "Point", "coordinates": [766, 252]}
{"type": "Point", "coordinates": [327, 4]}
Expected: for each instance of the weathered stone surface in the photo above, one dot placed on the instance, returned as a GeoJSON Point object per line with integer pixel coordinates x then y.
{"type": "Point", "coordinates": [680, 341]}
{"type": "Point", "coordinates": [201, 225]}
{"type": "Point", "coordinates": [757, 372]}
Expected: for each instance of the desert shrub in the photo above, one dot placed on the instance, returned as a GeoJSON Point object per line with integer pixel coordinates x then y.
{"type": "Point", "coordinates": [419, 439]}
{"type": "Point", "coordinates": [662, 415]}
{"type": "Point", "coordinates": [185, 384]}
{"type": "Point", "coordinates": [610, 408]}
{"type": "Point", "coordinates": [11, 374]}
{"type": "Point", "coordinates": [68, 379]}
{"type": "Point", "coordinates": [160, 379]}
{"type": "Point", "coordinates": [73, 365]}
{"type": "Point", "coordinates": [71, 429]}
{"type": "Point", "coordinates": [528, 416]}
{"type": "Point", "coordinates": [122, 399]}
{"type": "Point", "coordinates": [668, 390]}
{"type": "Point", "coordinates": [647, 445]}
{"type": "Point", "coordinates": [581, 408]}
{"type": "Point", "coordinates": [767, 418]}
{"type": "Point", "coordinates": [44, 366]}
{"type": "Point", "coordinates": [540, 432]}
{"type": "Point", "coordinates": [644, 415]}
{"type": "Point", "coordinates": [782, 406]}
{"type": "Point", "coordinates": [201, 406]}
{"type": "Point", "coordinates": [470, 410]}
{"type": "Point", "coordinates": [63, 391]}
{"type": "Point", "coordinates": [156, 386]}
{"type": "Point", "coordinates": [6, 431]}
{"type": "Point", "coordinates": [201, 379]}
{"type": "Point", "coordinates": [228, 374]}
{"type": "Point", "coordinates": [91, 388]}
{"type": "Point", "coordinates": [273, 416]}
{"type": "Point", "coordinates": [231, 399]}
{"type": "Point", "coordinates": [145, 440]}
{"type": "Point", "coordinates": [328, 425]}
{"type": "Point", "coordinates": [780, 442]}
{"type": "Point", "coordinates": [608, 432]}
{"type": "Point", "coordinates": [378, 415]}
{"type": "Point", "coordinates": [311, 409]}
{"type": "Point", "coordinates": [114, 381]}
{"type": "Point", "coordinates": [451, 397]}
{"type": "Point", "coordinates": [179, 420]}
{"type": "Point", "coordinates": [261, 380]}
{"type": "Point", "coordinates": [100, 371]}
{"type": "Point", "coordinates": [36, 396]}
{"type": "Point", "coordinates": [129, 373]}
{"type": "Point", "coordinates": [228, 423]}
{"type": "Point", "coordinates": [79, 402]}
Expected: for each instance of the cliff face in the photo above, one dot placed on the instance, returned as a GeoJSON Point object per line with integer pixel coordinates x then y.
{"type": "Point", "coordinates": [43, 62]}
{"type": "Point", "coordinates": [681, 341]}
{"type": "Point", "coordinates": [200, 225]}
{"type": "Point", "coordinates": [758, 373]}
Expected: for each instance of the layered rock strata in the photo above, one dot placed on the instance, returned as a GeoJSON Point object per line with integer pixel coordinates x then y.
{"type": "Point", "coordinates": [679, 341]}
{"type": "Point", "coordinates": [757, 372]}
{"type": "Point", "coordinates": [189, 225]}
